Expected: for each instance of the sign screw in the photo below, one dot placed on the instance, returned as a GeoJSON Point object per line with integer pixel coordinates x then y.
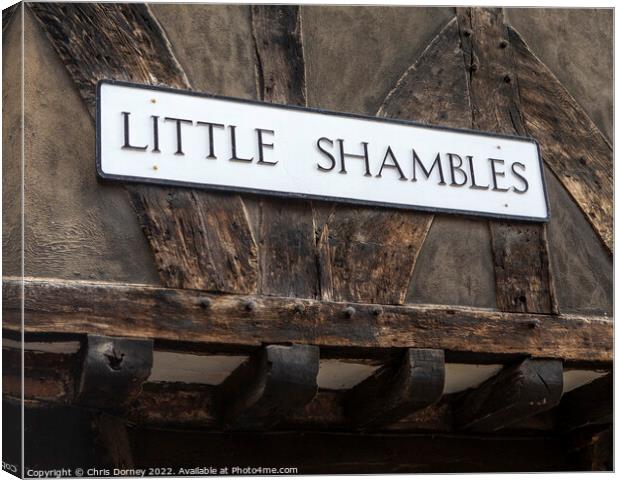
{"type": "Point", "coordinates": [153, 100]}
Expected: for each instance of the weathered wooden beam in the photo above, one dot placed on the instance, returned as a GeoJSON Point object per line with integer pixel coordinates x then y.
{"type": "Point", "coordinates": [396, 390]}
{"type": "Point", "coordinates": [111, 434]}
{"type": "Point", "coordinates": [589, 405]}
{"type": "Point", "coordinates": [514, 394]}
{"type": "Point", "coordinates": [582, 158]}
{"type": "Point", "coordinates": [137, 311]}
{"type": "Point", "coordinates": [200, 240]}
{"type": "Point", "coordinates": [369, 254]}
{"type": "Point", "coordinates": [346, 453]}
{"type": "Point", "coordinates": [286, 234]}
{"type": "Point", "coordinates": [113, 371]}
{"type": "Point", "coordinates": [520, 251]}
{"type": "Point", "coordinates": [273, 382]}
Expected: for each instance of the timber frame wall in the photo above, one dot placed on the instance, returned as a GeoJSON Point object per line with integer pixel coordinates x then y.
{"type": "Point", "coordinates": [317, 280]}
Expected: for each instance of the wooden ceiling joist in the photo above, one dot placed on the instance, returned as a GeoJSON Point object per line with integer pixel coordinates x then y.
{"type": "Point", "coordinates": [240, 321]}
{"type": "Point", "coordinates": [272, 383]}
{"type": "Point", "coordinates": [514, 394]}
{"type": "Point", "coordinates": [113, 370]}
{"type": "Point", "coordinates": [397, 389]}
{"type": "Point", "coordinates": [589, 405]}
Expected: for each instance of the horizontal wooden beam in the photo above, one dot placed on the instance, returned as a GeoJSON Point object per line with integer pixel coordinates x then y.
{"type": "Point", "coordinates": [414, 381]}
{"type": "Point", "coordinates": [515, 393]}
{"type": "Point", "coordinates": [138, 311]}
{"type": "Point", "coordinates": [346, 453]}
{"type": "Point", "coordinates": [310, 452]}
{"type": "Point", "coordinates": [269, 385]}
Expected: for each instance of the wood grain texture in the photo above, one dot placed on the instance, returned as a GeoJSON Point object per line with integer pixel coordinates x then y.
{"type": "Point", "coordinates": [137, 311]}
{"type": "Point", "coordinates": [286, 233]}
{"type": "Point", "coordinates": [514, 394]}
{"type": "Point", "coordinates": [125, 42]}
{"type": "Point", "coordinates": [368, 254]}
{"type": "Point", "coordinates": [520, 251]}
{"type": "Point", "coordinates": [200, 239]}
{"type": "Point", "coordinates": [575, 149]}
{"type": "Point", "coordinates": [398, 389]}
{"type": "Point", "coordinates": [273, 382]}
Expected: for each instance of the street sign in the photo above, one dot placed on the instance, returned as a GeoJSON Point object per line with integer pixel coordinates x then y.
{"type": "Point", "coordinates": [189, 139]}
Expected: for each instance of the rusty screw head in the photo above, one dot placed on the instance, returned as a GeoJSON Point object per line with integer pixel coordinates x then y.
{"type": "Point", "coordinates": [349, 312]}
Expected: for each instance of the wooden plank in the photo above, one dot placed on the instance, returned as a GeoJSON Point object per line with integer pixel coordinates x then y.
{"type": "Point", "coordinates": [272, 383]}
{"type": "Point", "coordinates": [589, 405]}
{"type": "Point", "coordinates": [514, 394]}
{"type": "Point", "coordinates": [125, 42]}
{"type": "Point", "coordinates": [113, 371]}
{"type": "Point", "coordinates": [368, 254]}
{"type": "Point", "coordinates": [572, 145]}
{"type": "Point", "coordinates": [520, 251]}
{"type": "Point", "coordinates": [286, 234]}
{"type": "Point", "coordinates": [137, 311]}
{"type": "Point", "coordinates": [396, 390]}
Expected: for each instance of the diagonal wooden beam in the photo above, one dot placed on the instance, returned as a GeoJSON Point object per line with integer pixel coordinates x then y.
{"type": "Point", "coordinates": [589, 405]}
{"type": "Point", "coordinates": [396, 390]}
{"type": "Point", "coordinates": [514, 394]}
{"type": "Point", "coordinates": [200, 240]}
{"type": "Point", "coordinates": [523, 275]}
{"type": "Point", "coordinates": [286, 234]}
{"type": "Point", "coordinates": [112, 371]}
{"type": "Point", "coordinates": [581, 158]}
{"type": "Point", "coordinates": [271, 384]}
{"type": "Point", "coordinates": [138, 311]}
{"type": "Point", "coordinates": [368, 254]}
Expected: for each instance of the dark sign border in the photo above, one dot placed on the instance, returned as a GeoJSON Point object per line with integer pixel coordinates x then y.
{"type": "Point", "coordinates": [350, 201]}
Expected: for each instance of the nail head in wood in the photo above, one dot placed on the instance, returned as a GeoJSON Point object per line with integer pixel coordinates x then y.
{"type": "Point", "coordinates": [349, 312]}
{"type": "Point", "coordinates": [250, 305]}
{"type": "Point", "coordinates": [503, 43]}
